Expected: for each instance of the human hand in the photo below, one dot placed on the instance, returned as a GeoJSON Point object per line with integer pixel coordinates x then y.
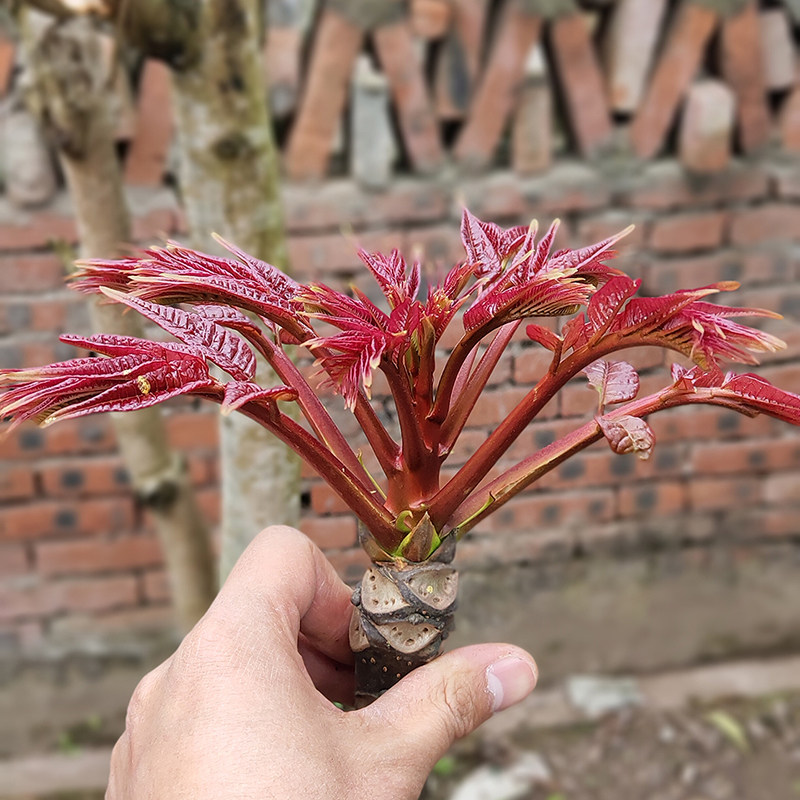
{"type": "Point", "coordinates": [240, 710]}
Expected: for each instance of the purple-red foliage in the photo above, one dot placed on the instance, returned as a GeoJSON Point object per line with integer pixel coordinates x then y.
{"type": "Point", "coordinates": [227, 310]}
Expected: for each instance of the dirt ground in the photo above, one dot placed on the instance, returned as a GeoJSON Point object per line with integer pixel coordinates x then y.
{"type": "Point", "coordinates": [735, 750]}
{"type": "Point", "coordinates": [731, 750]}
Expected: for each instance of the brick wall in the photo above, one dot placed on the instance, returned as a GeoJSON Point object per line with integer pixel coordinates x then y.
{"type": "Point", "coordinates": [76, 555]}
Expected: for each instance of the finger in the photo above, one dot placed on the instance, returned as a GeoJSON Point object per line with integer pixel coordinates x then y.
{"type": "Point", "coordinates": [334, 680]}
{"type": "Point", "coordinates": [285, 580]}
{"type": "Point", "coordinates": [450, 697]}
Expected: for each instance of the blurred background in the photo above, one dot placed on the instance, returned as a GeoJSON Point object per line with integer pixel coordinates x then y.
{"type": "Point", "coordinates": [301, 129]}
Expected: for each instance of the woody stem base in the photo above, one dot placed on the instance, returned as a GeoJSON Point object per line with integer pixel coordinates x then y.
{"type": "Point", "coordinates": [403, 612]}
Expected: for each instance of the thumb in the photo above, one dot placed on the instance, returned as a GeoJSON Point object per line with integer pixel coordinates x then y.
{"type": "Point", "coordinates": [450, 697]}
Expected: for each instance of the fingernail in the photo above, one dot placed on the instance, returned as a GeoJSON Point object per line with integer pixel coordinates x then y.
{"type": "Point", "coordinates": [509, 681]}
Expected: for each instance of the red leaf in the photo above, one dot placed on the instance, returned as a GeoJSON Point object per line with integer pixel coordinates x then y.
{"type": "Point", "coordinates": [615, 381]}
{"type": "Point", "coordinates": [213, 341]}
{"type": "Point", "coordinates": [237, 393]}
{"type": "Point", "coordinates": [543, 336]}
{"type": "Point", "coordinates": [607, 301]}
{"type": "Point", "coordinates": [626, 434]}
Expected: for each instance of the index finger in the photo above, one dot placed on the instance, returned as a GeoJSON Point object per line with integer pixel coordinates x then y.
{"type": "Point", "coordinates": [284, 579]}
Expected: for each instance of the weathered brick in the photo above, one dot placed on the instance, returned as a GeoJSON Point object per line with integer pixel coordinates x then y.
{"type": "Point", "coordinates": [750, 457]}
{"type": "Point", "coordinates": [7, 52]}
{"type": "Point", "coordinates": [24, 231]}
{"type": "Point", "coordinates": [782, 488]}
{"type": "Point", "coordinates": [685, 47]}
{"type": "Point", "coordinates": [531, 512]}
{"type": "Point", "coordinates": [16, 483]}
{"type": "Point", "coordinates": [96, 476]}
{"type": "Point", "coordinates": [13, 559]}
{"type": "Point", "coordinates": [431, 19]}
{"type": "Point", "coordinates": [706, 131]}
{"type": "Point", "coordinates": [582, 83]}
{"type": "Point", "coordinates": [686, 233]}
{"type": "Point", "coordinates": [495, 96]}
{"type": "Point", "coordinates": [31, 273]}
{"type": "Point", "coordinates": [629, 49]}
{"type": "Point", "coordinates": [336, 45]}
{"type": "Point", "coordinates": [789, 122]}
{"type": "Point", "coordinates": [664, 184]}
{"type": "Point", "coordinates": [325, 501]}
{"type": "Point", "coordinates": [652, 498]}
{"type": "Point", "coordinates": [743, 69]}
{"type": "Point", "coordinates": [282, 52]}
{"type": "Point", "coordinates": [768, 222]}
{"type": "Point", "coordinates": [532, 128]}
{"type": "Point", "coordinates": [494, 405]}
{"type": "Point", "coordinates": [80, 556]}
{"type": "Point", "coordinates": [706, 494]}
{"type": "Point", "coordinates": [777, 48]}
{"type": "Point", "coordinates": [146, 160]}
{"type": "Point", "coordinates": [65, 518]}
{"type": "Point", "coordinates": [413, 104]}
{"type": "Point", "coordinates": [330, 533]}
{"type": "Point", "coordinates": [156, 586]}
{"type": "Point", "coordinates": [568, 186]}
{"type": "Point", "coordinates": [350, 564]}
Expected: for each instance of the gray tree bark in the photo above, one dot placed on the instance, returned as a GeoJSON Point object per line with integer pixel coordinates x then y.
{"type": "Point", "coordinates": [229, 180]}
{"type": "Point", "coordinates": [70, 94]}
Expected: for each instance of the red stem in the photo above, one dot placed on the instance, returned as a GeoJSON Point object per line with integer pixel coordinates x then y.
{"type": "Point", "coordinates": [363, 504]}
{"type": "Point", "coordinates": [516, 479]}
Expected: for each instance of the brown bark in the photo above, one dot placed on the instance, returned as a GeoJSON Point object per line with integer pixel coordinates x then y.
{"type": "Point", "coordinates": [71, 97]}
{"type": "Point", "coordinates": [403, 612]}
{"type": "Point", "coordinates": [229, 184]}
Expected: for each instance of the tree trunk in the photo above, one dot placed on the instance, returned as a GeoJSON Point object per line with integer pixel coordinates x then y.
{"type": "Point", "coordinates": [229, 185]}
{"type": "Point", "coordinates": [71, 97]}
{"type": "Point", "coordinates": [403, 612]}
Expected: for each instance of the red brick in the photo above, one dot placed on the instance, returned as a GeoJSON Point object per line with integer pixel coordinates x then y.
{"type": "Point", "coordinates": [338, 202]}
{"type": "Point", "coordinates": [789, 122]}
{"type": "Point", "coordinates": [334, 50]}
{"type": "Point", "coordinates": [91, 555]}
{"type": "Point", "coordinates": [663, 276]}
{"type": "Point", "coordinates": [750, 457]}
{"type": "Point", "coordinates": [495, 96]}
{"type": "Point", "coordinates": [568, 186]}
{"type": "Point", "coordinates": [413, 104]}
{"type": "Point", "coordinates": [649, 499]}
{"type": "Point", "coordinates": [35, 599]}
{"type": "Point", "coordinates": [282, 54]}
{"type": "Point", "coordinates": [7, 52]}
{"type": "Point", "coordinates": [330, 532]}
{"type": "Point", "coordinates": [325, 501]}
{"type": "Point", "coordinates": [438, 247]}
{"type": "Point", "coordinates": [31, 273]}
{"type": "Point", "coordinates": [13, 560]}
{"type": "Point", "coordinates": [92, 435]}
{"type": "Point", "coordinates": [582, 84]}
{"type": "Point", "coordinates": [496, 197]}
{"type": "Point", "coordinates": [431, 18]}
{"type": "Point", "coordinates": [706, 131]}
{"type": "Point", "coordinates": [532, 130]}
{"type": "Point", "coordinates": [156, 586]}
{"type": "Point", "coordinates": [782, 489]}
{"type": "Point", "coordinates": [743, 70]}
{"type": "Point", "coordinates": [530, 365]}
{"type": "Point", "coordinates": [495, 405]}
{"type": "Point", "coordinates": [147, 157]}
{"type": "Point", "coordinates": [684, 50]}
{"type": "Point", "coordinates": [16, 483]}
{"type": "Point", "coordinates": [629, 50]}
{"type": "Point", "coordinates": [320, 257]}
{"type": "Point", "coordinates": [58, 519]}
{"type": "Point", "coordinates": [686, 233]}
{"type": "Point", "coordinates": [350, 564]}
{"type": "Point", "coordinates": [768, 222]}
{"type": "Point", "coordinates": [192, 430]}
{"type": "Point", "coordinates": [96, 476]}
{"type": "Point", "coordinates": [541, 510]}
{"type": "Point", "coordinates": [777, 48]}
{"type": "Point", "coordinates": [707, 494]}
{"type": "Point", "coordinates": [466, 444]}
{"type": "Point", "coordinates": [24, 231]}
